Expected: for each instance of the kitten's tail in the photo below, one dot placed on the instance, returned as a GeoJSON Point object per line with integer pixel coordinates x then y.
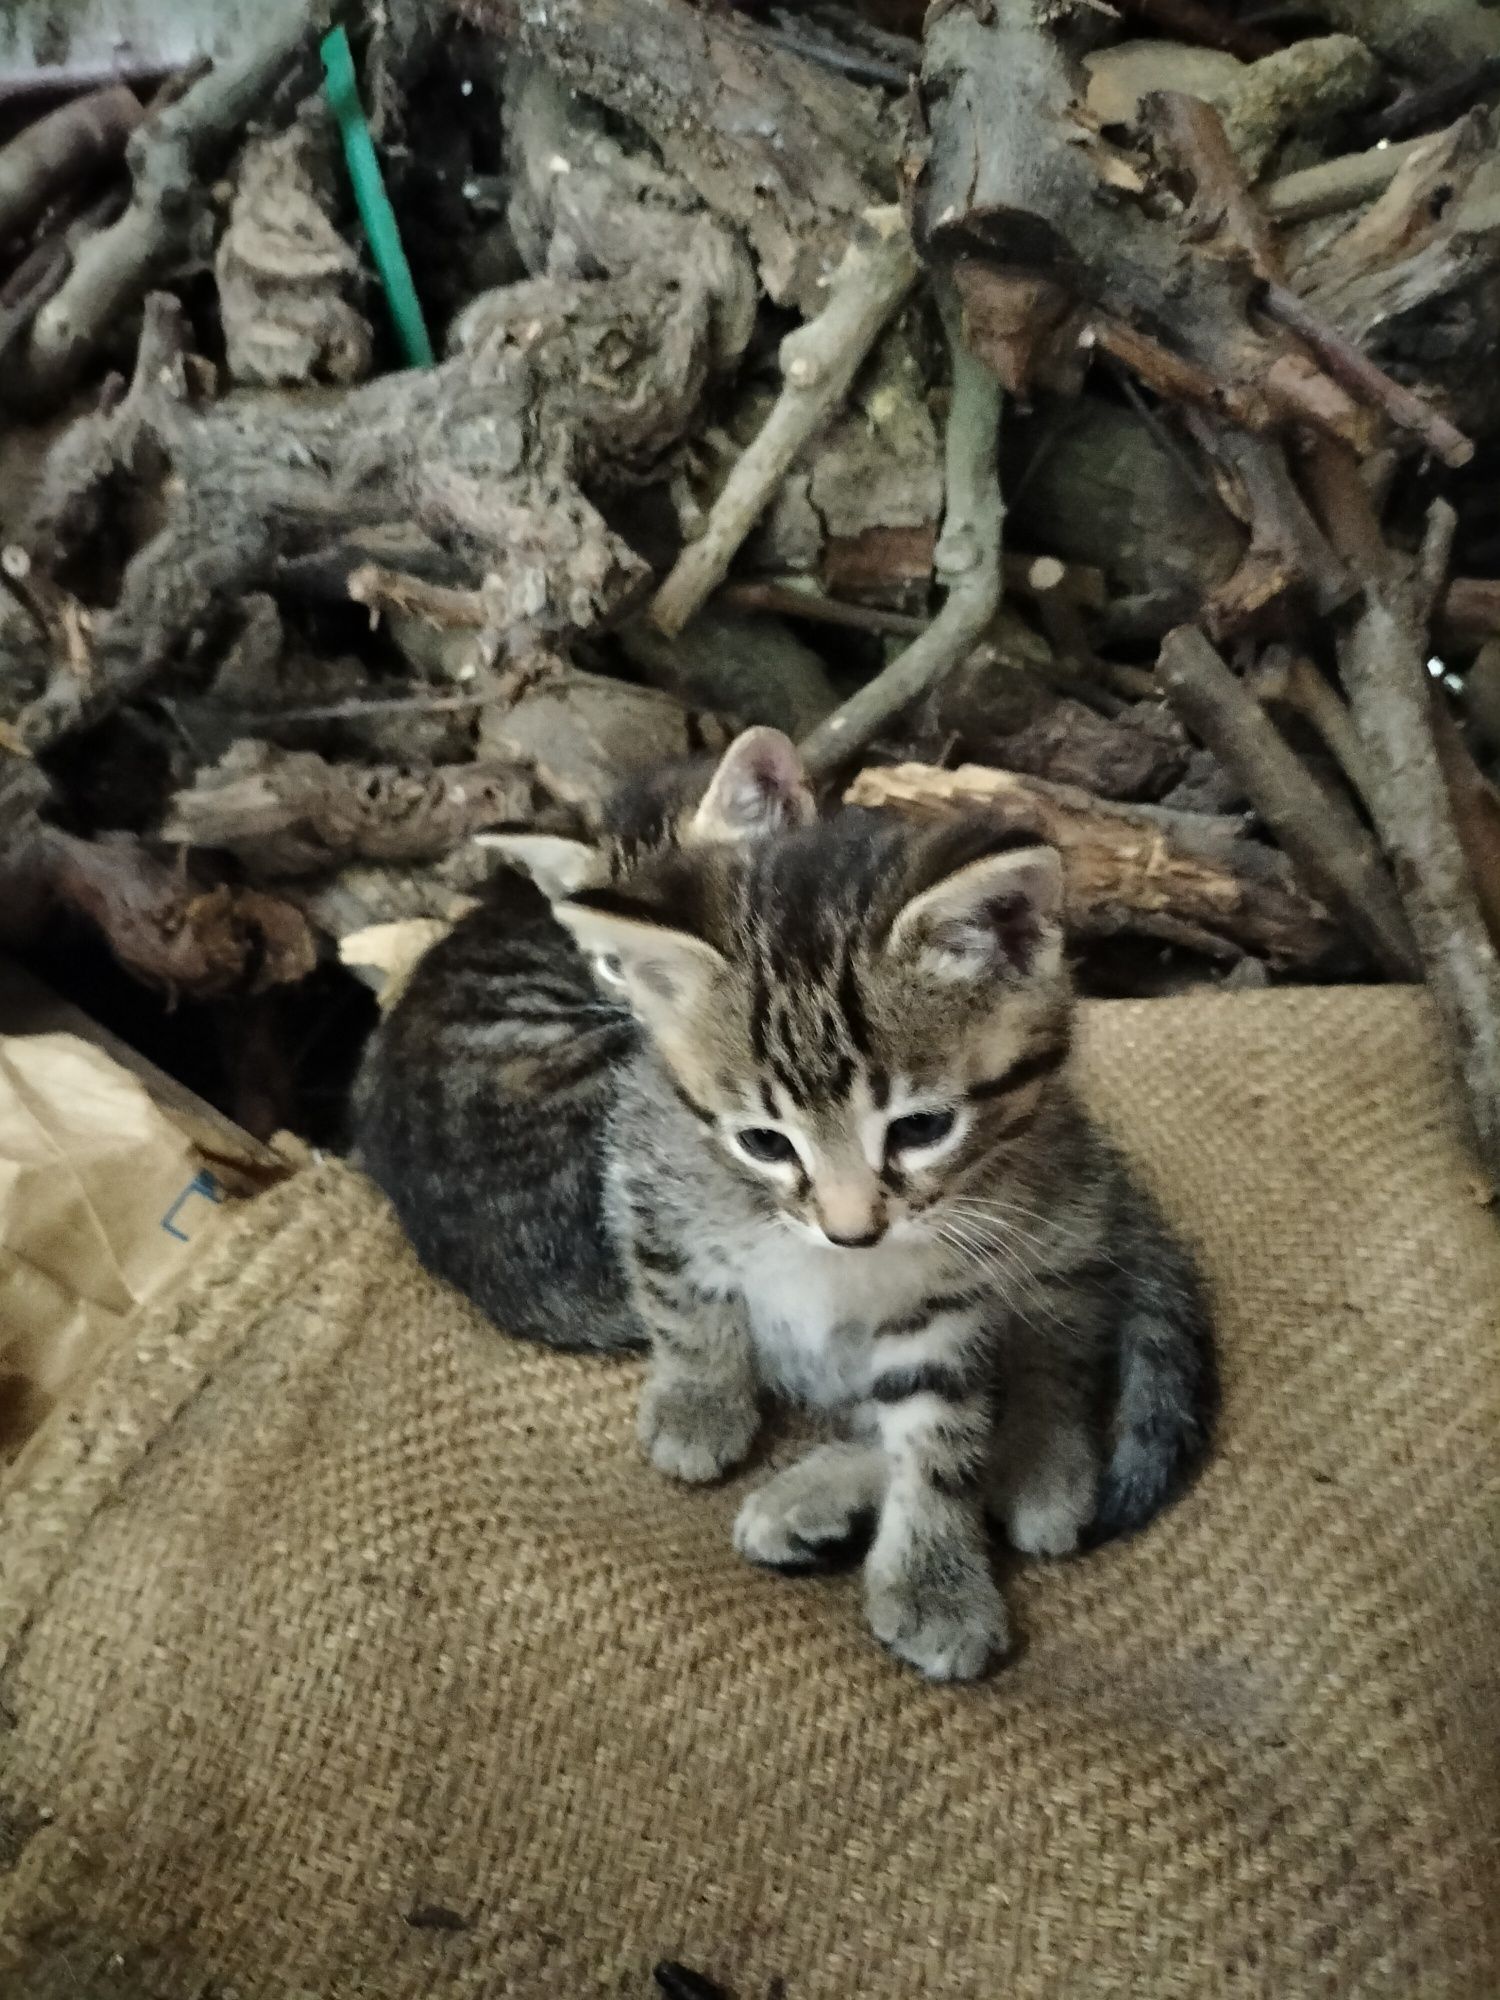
{"type": "Point", "coordinates": [1166, 1401]}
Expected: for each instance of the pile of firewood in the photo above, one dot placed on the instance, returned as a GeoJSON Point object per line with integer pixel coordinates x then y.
{"type": "Point", "coordinates": [758, 326]}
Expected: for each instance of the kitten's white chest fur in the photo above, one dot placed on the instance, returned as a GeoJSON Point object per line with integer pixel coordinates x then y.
{"type": "Point", "coordinates": [813, 1310]}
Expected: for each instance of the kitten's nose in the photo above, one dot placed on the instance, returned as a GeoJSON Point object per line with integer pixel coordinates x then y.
{"type": "Point", "coordinates": [849, 1205]}
{"type": "Point", "coordinates": [865, 1242]}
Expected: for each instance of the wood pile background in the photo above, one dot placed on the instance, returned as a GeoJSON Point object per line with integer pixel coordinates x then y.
{"type": "Point", "coordinates": [1087, 410]}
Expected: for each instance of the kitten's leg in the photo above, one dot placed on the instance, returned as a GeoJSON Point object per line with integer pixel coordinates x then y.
{"type": "Point", "coordinates": [698, 1412]}
{"type": "Point", "coordinates": [812, 1509]}
{"type": "Point", "coordinates": [930, 1594]}
{"type": "Point", "coordinates": [1043, 1480]}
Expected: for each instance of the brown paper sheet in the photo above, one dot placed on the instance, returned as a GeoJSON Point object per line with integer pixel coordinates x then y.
{"type": "Point", "coordinates": [112, 1179]}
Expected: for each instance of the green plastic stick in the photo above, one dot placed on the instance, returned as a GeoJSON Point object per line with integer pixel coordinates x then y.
{"type": "Point", "coordinates": [374, 204]}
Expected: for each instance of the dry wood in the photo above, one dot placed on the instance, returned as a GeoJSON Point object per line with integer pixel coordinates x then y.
{"type": "Point", "coordinates": [168, 157]}
{"type": "Point", "coordinates": [1039, 192]}
{"type": "Point", "coordinates": [291, 812]}
{"type": "Point", "coordinates": [1359, 374]}
{"type": "Point", "coordinates": [1301, 87]}
{"type": "Point", "coordinates": [24, 790]}
{"type": "Point", "coordinates": [1335, 185]}
{"type": "Point", "coordinates": [794, 600]}
{"type": "Point", "coordinates": [1223, 214]}
{"type": "Point", "coordinates": [1288, 549]}
{"type": "Point", "coordinates": [1426, 253]}
{"type": "Point", "coordinates": [188, 939]}
{"type": "Point", "coordinates": [768, 141]}
{"type": "Point", "coordinates": [61, 150]}
{"type": "Point", "coordinates": [554, 382]}
{"type": "Point", "coordinates": [1328, 843]}
{"type": "Point", "coordinates": [967, 562]}
{"type": "Point", "coordinates": [1135, 869]}
{"type": "Point", "coordinates": [580, 735]}
{"type": "Point", "coordinates": [283, 269]}
{"type": "Point", "coordinates": [1476, 810]}
{"type": "Point", "coordinates": [1114, 489]}
{"type": "Point", "coordinates": [390, 591]}
{"type": "Point", "coordinates": [1290, 680]}
{"type": "Point", "coordinates": [1421, 106]}
{"type": "Point", "coordinates": [1471, 611]}
{"type": "Point", "coordinates": [1383, 660]}
{"type": "Point", "coordinates": [752, 668]}
{"type": "Point", "coordinates": [818, 363]}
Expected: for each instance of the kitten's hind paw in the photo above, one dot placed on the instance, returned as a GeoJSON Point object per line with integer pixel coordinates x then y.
{"type": "Point", "coordinates": [813, 1512]}
{"type": "Point", "coordinates": [696, 1433]}
{"type": "Point", "coordinates": [950, 1627]}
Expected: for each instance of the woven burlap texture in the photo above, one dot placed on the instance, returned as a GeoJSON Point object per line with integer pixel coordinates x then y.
{"type": "Point", "coordinates": [329, 1606]}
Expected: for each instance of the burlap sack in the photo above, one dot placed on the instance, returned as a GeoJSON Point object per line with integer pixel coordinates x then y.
{"type": "Point", "coordinates": [352, 1651]}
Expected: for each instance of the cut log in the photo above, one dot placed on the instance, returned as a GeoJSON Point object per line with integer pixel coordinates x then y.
{"type": "Point", "coordinates": [1136, 869]}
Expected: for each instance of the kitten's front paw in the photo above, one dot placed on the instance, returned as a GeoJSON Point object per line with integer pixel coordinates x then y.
{"type": "Point", "coordinates": [949, 1625]}
{"type": "Point", "coordinates": [811, 1512]}
{"type": "Point", "coordinates": [694, 1433]}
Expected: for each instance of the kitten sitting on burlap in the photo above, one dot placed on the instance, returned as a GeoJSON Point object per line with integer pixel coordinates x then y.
{"type": "Point", "coordinates": [787, 1098]}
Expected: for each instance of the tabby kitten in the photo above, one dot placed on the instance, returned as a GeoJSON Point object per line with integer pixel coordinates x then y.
{"type": "Point", "coordinates": [845, 1164]}
{"type": "Point", "coordinates": [483, 1101]}
{"type": "Point", "coordinates": [832, 1153]}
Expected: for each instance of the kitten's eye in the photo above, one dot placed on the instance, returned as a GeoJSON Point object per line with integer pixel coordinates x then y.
{"type": "Point", "coordinates": [763, 1142]}
{"type": "Point", "coordinates": [917, 1130]}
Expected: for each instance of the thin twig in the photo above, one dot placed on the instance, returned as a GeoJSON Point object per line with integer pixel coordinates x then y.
{"type": "Point", "coordinates": [392, 590]}
{"type": "Point", "coordinates": [1292, 680]}
{"type": "Point", "coordinates": [1362, 377]}
{"type": "Point", "coordinates": [358, 706]}
{"type": "Point", "coordinates": [819, 361]}
{"type": "Point", "coordinates": [1335, 185]}
{"type": "Point", "coordinates": [968, 560]}
{"type": "Point", "coordinates": [786, 600]}
{"type": "Point", "coordinates": [1327, 842]}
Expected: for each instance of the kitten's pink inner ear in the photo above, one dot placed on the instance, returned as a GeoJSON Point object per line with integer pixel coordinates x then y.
{"type": "Point", "coordinates": [995, 913]}
{"type": "Point", "coordinates": [760, 787]}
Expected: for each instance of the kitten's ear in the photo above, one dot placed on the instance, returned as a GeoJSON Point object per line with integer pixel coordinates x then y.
{"type": "Point", "coordinates": [995, 916]}
{"type": "Point", "coordinates": [760, 787]}
{"type": "Point", "coordinates": [665, 974]}
{"type": "Point", "coordinates": [558, 867]}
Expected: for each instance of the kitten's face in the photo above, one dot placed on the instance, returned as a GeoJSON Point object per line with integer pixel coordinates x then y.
{"type": "Point", "coordinates": [860, 1016]}
{"type": "Point", "coordinates": [869, 1114]}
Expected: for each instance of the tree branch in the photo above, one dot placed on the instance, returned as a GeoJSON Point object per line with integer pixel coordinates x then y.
{"type": "Point", "coordinates": [168, 156]}
{"type": "Point", "coordinates": [1328, 844]}
{"type": "Point", "coordinates": [967, 560]}
{"type": "Point", "coordinates": [819, 362]}
{"type": "Point", "coordinates": [1383, 659]}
